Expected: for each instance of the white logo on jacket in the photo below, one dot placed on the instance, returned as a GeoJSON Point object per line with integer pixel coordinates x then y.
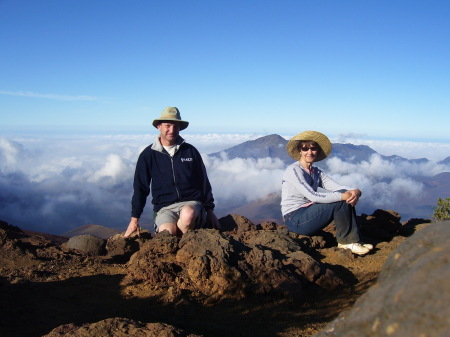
{"type": "Point", "coordinates": [186, 159]}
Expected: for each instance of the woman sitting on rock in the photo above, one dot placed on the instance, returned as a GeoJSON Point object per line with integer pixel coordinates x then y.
{"type": "Point", "coordinates": [310, 199]}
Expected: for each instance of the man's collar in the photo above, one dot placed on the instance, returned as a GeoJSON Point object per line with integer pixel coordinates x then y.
{"type": "Point", "coordinates": [157, 146]}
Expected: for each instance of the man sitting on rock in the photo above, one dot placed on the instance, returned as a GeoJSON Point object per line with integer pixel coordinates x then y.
{"type": "Point", "coordinates": [181, 193]}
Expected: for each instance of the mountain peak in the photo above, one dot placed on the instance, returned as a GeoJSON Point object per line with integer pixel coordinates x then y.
{"type": "Point", "coordinates": [273, 146]}
{"type": "Point", "coordinates": [95, 230]}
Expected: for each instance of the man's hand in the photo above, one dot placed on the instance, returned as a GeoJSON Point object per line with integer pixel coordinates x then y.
{"type": "Point", "coordinates": [132, 227]}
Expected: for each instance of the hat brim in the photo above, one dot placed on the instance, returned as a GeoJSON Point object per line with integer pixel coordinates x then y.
{"type": "Point", "coordinates": [315, 136]}
{"type": "Point", "coordinates": [183, 124]}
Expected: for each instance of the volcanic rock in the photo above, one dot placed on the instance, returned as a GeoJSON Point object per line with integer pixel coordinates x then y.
{"type": "Point", "coordinates": [118, 327]}
{"type": "Point", "coordinates": [88, 244]}
{"type": "Point", "coordinates": [265, 280]}
{"type": "Point", "coordinates": [206, 265]}
{"type": "Point", "coordinates": [382, 225]}
{"type": "Point", "coordinates": [121, 249]}
{"type": "Point", "coordinates": [412, 293]}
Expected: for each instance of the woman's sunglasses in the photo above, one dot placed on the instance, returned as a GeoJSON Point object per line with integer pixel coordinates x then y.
{"type": "Point", "coordinates": [312, 148]}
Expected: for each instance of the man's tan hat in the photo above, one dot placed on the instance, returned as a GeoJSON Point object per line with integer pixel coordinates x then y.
{"type": "Point", "coordinates": [314, 136]}
{"type": "Point", "coordinates": [171, 114]}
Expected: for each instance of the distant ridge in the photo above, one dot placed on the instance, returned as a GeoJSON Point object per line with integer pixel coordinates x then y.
{"type": "Point", "coordinates": [263, 209]}
{"type": "Point", "coordinates": [58, 239]}
{"type": "Point", "coordinates": [445, 161]}
{"type": "Point", "coordinates": [352, 153]}
{"type": "Point", "coordinates": [95, 230]}
{"type": "Point", "coordinates": [274, 146]}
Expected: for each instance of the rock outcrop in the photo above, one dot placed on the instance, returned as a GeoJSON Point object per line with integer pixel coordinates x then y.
{"type": "Point", "coordinates": [88, 244]}
{"type": "Point", "coordinates": [381, 225]}
{"type": "Point", "coordinates": [246, 279]}
{"type": "Point", "coordinates": [411, 295]}
{"type": "Point", "coordinates": [209, 266]}
{"type": "Point", "coordinates": [118, 327]}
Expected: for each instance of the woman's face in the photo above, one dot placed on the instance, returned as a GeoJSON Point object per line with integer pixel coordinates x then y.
{"type": "Point", "coordinates": [308, 151]}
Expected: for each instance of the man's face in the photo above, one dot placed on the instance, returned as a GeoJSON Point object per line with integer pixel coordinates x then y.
{"type": "Point", "coordinates": [169, 132]}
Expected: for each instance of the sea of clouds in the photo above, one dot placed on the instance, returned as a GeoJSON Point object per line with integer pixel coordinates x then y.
{"type": "Point", "coordinates": [56, 183]}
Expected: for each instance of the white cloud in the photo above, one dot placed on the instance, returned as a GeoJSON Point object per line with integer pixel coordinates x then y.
{"type": "Point", "coordinates": [50, 96]}
{"type": "Point", "coordinates": [54, 184]}
{"type": "Point", "coordinates": [114, 168]}
{"type": "Point", "coordinates": [383, 183]}
{"type": "Point", "coordinates": [433, 151]}
{"type": "Point", "coordinates": [379, 168]}
{"type": "Point", "coordinates": [243, 179]}
{"type": "Point", "coordinates": [58, 184]}
{"type": "Point", "coordinates": [9, 151]}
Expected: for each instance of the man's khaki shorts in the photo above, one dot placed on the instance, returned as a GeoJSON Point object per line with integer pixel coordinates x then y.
{"type": "Point", "coordinates": [171, 214]}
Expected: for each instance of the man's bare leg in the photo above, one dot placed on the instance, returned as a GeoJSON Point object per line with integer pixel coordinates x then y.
{"type": "Point", "coordinates": [170, 227]}
{"type": "Point", "coordinates": [188, 216]}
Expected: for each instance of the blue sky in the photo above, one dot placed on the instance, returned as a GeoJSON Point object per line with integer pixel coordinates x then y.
{"type": "Point", "coordinates": [375, 69]}
{"type": "Point", "coordinates": [81, 82]}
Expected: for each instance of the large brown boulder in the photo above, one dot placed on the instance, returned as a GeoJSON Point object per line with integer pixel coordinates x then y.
{"type": "Point", "coordinates": [120, 249]}
{"type": "Point", "coordinates": [88, 244]}
{"type": "Point", "coordinates": [209, 259]}
{"type": "Point", "coordinates": [381, 225]}
{"type": "Point", "coordinates": [412, 293]}
{"type": "Point", "coordinates": [209, 266]}
{"type": "Point", "coordinates": [118, 327]}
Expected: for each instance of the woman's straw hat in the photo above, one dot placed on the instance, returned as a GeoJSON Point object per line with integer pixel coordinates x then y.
{"type": "Point", "coordinates": [171, 114]}
{"type": "Point", "coordinates": [319, 138]}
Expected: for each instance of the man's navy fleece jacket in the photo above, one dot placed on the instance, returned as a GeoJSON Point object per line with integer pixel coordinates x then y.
{"type": "Point", "coordinates": [173, 179]}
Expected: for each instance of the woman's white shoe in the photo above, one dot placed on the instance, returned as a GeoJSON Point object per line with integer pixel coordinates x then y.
{"type": "Point", "coordinates": [355, 247]}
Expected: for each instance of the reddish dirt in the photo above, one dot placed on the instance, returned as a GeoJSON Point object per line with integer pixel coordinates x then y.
{"type": "Point", "coordinates": [43, 286]}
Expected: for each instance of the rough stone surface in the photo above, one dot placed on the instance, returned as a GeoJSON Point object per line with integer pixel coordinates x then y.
{"type": "Point", "coordinates": [121, 249]}
{"type": "Point", "coordinates": [412, 294]}
{"type": "Point", "coordinates": [250, 280]}
{"type": "Point", "coordinates": [235, 223]}
{"type": "Point", "coordinates": [118, 327]}
{"type": "Point", "coordinates": [210, 266]}
{"type": "Point", "coordinates": [88, 244]}
{"type": "Point", "coordinates": [382, 225]}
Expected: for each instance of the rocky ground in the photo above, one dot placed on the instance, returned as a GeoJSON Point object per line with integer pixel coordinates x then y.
{"type": "Point", "coordinates": [245, 280]}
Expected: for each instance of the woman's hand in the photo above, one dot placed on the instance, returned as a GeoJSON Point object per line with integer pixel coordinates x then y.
{"type": "Point", "coordinates": [351, 197]}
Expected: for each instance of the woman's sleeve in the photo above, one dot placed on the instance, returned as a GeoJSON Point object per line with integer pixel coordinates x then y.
{"type": "Point", "coordinates": [296, 178]}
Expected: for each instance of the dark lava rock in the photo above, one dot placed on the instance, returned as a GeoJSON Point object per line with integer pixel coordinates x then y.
{"type": "Point", "coordinates": [88, 244]}
{"type": "Point", "coordinates": [118, 327]}
{"type": "Point", "coordinates": [412, 293]}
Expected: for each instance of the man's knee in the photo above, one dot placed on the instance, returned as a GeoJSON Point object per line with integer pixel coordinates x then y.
{"type": "Point", "coordinates": [188, 214]}
{"type": "Point", "coordinates": [170, 227]}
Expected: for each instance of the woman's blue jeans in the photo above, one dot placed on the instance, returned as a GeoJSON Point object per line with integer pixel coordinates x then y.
{"type": "Point", "coordinates": [309, 220]}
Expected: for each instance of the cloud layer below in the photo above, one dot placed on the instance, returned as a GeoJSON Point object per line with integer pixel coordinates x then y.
{"type": "Point", "coordinates": [54, 184]}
